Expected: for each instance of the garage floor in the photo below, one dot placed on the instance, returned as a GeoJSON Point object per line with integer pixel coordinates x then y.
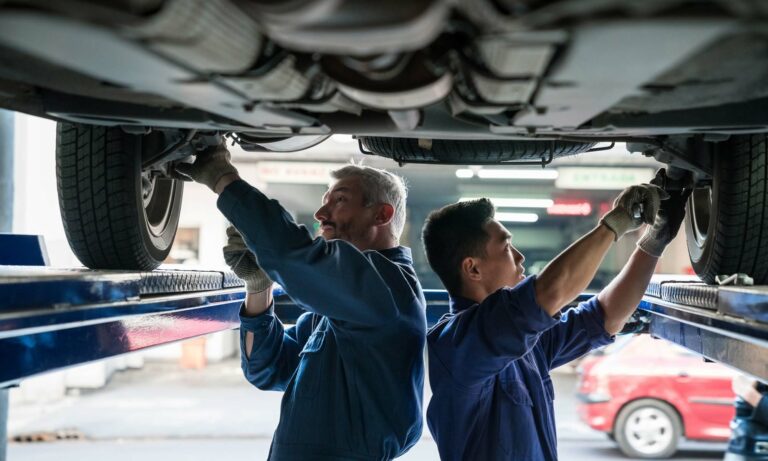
{"type": "Point", "coordinates": [162, 412]}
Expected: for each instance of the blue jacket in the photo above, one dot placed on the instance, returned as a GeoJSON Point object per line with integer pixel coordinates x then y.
{"type": "Point", "coordinates": [352, 367]}
{"type": "Point", "coordinates": [489, 371]}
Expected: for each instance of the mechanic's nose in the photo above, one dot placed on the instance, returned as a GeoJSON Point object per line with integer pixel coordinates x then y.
{"type": "Point", "coordinates": [321, 214]}
{"type": "Point", "coordinates": [519, 257]}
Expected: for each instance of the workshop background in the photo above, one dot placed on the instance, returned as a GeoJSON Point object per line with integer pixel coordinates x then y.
{"type": "Point", "coordinates": [188, 400]}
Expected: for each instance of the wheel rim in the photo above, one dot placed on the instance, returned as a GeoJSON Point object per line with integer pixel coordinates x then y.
{"type": "Point", "coordinates": [701, 206]}
{"type": "Point", "coordinates": [649, 431]}
{"type": "Point", "coordinates": [157, 196]}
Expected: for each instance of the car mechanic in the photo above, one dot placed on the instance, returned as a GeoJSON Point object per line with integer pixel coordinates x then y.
{"type": "Point", "coordinates": [351, 369]}
{"type": "Point", "coordinates": [491, 355]}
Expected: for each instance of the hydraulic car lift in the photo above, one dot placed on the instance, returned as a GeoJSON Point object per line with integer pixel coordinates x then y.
{"type": "Point", "coordinates": [56, 318]}
{"type": "Point", "coordinates": [53, 318]}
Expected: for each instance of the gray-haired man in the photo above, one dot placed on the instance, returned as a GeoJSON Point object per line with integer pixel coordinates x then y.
{"type": "Point", "coordinates": [352, 367]}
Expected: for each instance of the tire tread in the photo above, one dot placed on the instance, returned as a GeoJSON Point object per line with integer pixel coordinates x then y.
{"type": "Point", "coordinates": [95, 171]}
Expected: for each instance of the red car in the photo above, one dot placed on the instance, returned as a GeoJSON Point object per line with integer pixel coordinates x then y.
{"type": "Point", "coordinates": [646, 394]}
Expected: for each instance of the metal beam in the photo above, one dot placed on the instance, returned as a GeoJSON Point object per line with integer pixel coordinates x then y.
{"type": "Point", "coordinates": [6, 225]}
{"type": "Point", "coordinates": [6, 170]}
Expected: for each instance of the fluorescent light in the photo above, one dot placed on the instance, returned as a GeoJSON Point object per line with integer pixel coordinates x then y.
{"type": "Point", "coordinates": [343, 138]}
{"type": "Point", "coordinates": [464, 173]}
{"type": "Point", "coordinates": [517, 217]}
{"type": "Point", "coordinates": [516, 202]}
{"type": "Point", "coordinates": [516, 174]}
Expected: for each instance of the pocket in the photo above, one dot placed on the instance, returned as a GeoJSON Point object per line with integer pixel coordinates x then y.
{"type": "Point", "coordinates": [308, 372]}
{"type": "Point", "coordinates": [515, 420]}
{"type": "Point", "coordinates": [314, 343]}
{"type": "Point", "coordinates": [517, 392]}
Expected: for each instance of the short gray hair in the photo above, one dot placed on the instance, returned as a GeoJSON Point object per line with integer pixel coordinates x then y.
{"type": "Point", "coordinates": [379, 186]}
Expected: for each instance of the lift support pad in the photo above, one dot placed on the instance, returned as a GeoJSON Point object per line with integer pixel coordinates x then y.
{"type": "Point", "coordinates": [726, 324]}
{"type": "Point", "coordinates": [56, 318]}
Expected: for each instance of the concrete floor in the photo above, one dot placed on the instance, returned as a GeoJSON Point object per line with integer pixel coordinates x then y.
{"type": "Point", "coordinates": [162, 412]}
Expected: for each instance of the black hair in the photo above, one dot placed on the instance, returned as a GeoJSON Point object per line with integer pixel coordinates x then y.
{"type": "Point", "coordinates": [453, 233]}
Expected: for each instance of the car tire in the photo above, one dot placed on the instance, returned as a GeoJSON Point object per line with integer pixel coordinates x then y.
{"type": "Point", "coordinates": [111, 220]}
{"type": "Point", "coordinates": [648, 429]}
{"type": "Point", "coordinates": [727, 223]}
{"type": "Point", "coordinates": [469, 152]}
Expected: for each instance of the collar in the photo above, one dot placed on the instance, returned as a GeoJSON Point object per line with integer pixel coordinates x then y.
{"type": "Point", "coordinates": [458, 304]}
{"type": "Point", "coordinates": [398, 254]}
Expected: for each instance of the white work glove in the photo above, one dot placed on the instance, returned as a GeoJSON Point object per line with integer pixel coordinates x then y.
{"type": "Point", "coordinates": [668, 220]}
{"type": "Point", "coordinates": [209, 167]}
{"type": "Point", "coordinates": [244, 264]}
{"type": "Point", "coordinates": [635, 206]}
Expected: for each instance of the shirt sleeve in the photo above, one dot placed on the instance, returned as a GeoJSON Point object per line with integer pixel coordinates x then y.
{"type": "Point", "coordinates": [275, 353]}
{"type": "Point", "coordinates": [480, 341]}
{"type": "Point", "coordinates": [761, 411]}
{"type": "Point", "coordinates": [579, 330]}
{"type": "Point", "coordinates": [331, 278]}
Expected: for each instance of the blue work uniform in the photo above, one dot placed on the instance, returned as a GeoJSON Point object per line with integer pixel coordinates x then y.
{"type": "Point", "coordinates": [489, 372]}
{"type": "Point", "coordinates": [352, 367]}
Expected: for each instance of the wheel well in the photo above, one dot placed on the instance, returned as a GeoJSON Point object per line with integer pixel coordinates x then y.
{"type": "Point", "coordinates": [670, 404]}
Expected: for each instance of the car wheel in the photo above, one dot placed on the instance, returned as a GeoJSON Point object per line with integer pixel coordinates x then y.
{"type": "Point", "coordinates": [115, 216]}
{"type": "Point", "coordinates": [648, 429]}
{"type": "Point", "coordinates": [726, 220]}
{"type": "Point", "coordinates": [451, 151]}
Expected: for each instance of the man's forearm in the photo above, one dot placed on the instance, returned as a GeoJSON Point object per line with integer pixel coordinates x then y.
{"type": "Point", "coordinates": [571, 271]}
{"type": "Point", "coordinates": [255, 304]}
{"type": "Point", "coordinates": [621, 297]}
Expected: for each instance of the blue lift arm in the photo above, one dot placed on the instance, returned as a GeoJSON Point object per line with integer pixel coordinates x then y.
{"type": "Point", "coordinates": [725, 324]}
{"type": "Point", "coordinates": [52, 319]}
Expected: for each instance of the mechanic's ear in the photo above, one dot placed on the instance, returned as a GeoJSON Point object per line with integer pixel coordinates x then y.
{"type": "Point", "coordinates": [384, 214]}
{"type": "Point", "coordinates": [470, 270]}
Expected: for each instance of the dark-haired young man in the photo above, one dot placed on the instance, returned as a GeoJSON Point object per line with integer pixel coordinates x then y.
{"type": "Point", "coordinates": [490, 357]}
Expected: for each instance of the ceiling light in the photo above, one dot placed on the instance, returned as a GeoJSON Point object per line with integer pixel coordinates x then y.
{"type": "Point", "coordinates": [517, 217]}
{"type": "Point", "coordinates": [464, 173]}
{"type": "Point", "coordinates": [343, 138]}
{"type": "Point", "coordinates": [515, 202]}
{"type": "Point", "coordinates": [516, 174]}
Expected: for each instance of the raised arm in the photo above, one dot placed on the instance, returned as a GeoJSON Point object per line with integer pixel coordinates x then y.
{"type": "Point", "coordinates": [621, 297]}
{"type": "Point", "coordinates": [331, 278]}
{"type": "Point", "coordinates": [571, 271]}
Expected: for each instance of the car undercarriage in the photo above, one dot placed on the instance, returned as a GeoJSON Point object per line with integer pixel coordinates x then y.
{"type": "Point", "coordinates": [140, 85]}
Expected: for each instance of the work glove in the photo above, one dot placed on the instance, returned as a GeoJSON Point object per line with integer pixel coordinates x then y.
{"type": "Point", "coordinates": [209, 166]}
{"type": "Point", "coordinates": [635, 206]}
{"type": "Point", "coordinates": [244, 264]}
{"type": "Point", "coordinates": [668, 220]}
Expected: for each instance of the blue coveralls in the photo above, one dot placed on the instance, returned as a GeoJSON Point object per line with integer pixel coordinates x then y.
{"type": "Point", "coordinates": [352, 368]}
{"type": "Point", "coordinates": [489, 372]}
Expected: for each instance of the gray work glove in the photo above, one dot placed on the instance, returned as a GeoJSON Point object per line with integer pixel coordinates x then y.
{"type": "Point", "coordinates": [209, 166]}
{"type": "Point", "coordinates": [633, 207]}
{"type": "Point", "coordinates": [668, 220]}
{"type": "Point", "coordinates": [243, 263]}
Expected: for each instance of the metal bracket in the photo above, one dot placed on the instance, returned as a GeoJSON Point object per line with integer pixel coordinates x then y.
{"type": "Point", "coordinates": [598, 149]}
{"type": "Point", "coordinates": [738, 279]}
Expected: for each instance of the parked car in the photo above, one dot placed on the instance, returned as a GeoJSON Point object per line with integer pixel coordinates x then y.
{"type": "Point", "coordinates": [140, 85]}
{"type": "Point", "coordinates": [647, 394]}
